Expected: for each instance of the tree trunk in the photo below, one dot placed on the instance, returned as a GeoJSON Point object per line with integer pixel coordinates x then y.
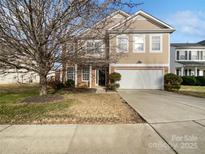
{"type": "Point", "coordinates": [43, 85]}
{"type": "Point", "coordinates": [64, 64]}
{"type": "Point", "coordinates": [64, 72]}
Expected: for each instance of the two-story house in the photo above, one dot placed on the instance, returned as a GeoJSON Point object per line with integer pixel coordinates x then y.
{"type": "Point", "coordinates": [142, 43]}
{"type": "Point", "coordinates": [188, 59]}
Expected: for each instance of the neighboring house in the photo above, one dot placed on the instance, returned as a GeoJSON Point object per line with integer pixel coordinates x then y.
{"type": "Point", "coordinates": [188, 59]}
{"type": "Point", "coordinates": [143, 42]}
{"type": "Point", "coordinates": [10, 76]}
{"type": "Point", "coordinates": [21, 76]}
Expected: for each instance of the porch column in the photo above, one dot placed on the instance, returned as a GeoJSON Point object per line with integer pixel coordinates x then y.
{"type": "Point", "coordinates": [76, 75]}
{"type": "Point", "coordinates": [188, 74]}
{"type": "Point", "coordinates": [90, 77]}
{"type": "Point", "coordinates": [195, 71]}
{"type": "Point", "coordinates": [182, 71]}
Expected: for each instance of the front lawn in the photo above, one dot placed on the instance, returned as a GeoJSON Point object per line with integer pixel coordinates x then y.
{"type": "Point", "coordinates": [81, 108]}
{"type": "Point", "coordinates": [198, 91]}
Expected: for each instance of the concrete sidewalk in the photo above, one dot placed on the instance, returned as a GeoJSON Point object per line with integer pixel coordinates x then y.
{"type": "Point", "coordinates": [81, 139]}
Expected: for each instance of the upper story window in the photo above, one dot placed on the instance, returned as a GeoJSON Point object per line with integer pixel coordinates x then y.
{"type": "Point", "coordinates": [139, 43]}
{"type": "Point", "coordinates": [122, 43]}
{"type": "Point", "coordinates": [201, 55]}
{"type": "Point", "coordinates": [156, 43]}
{"type": "Point", "coordinates": [94, 46]}
{"type": "Point", "coordinates": [85, 73]}
{"type": "Point", "coordinates": [182, 55]}
{"type": "Point", "coordinates": [70, 47]}
{"type": "Point", "coordinates": [190, 55]}
{"type": "Point", "coordinates": [71, 73]}
{"type": "Point", "coordinates": [194, 55]}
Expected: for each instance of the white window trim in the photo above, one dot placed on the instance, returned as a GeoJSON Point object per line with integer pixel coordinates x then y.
{"type": "Point", "coordinates": [72, 73]}
{"type": "Point", "coordinates": [97, 40]}
{"type": "Point", "coordinates": [117, 43]}
{"type": "Point", "coordinates": [135, 51]}
{"type": "Point", "coordinates": [82, 75]}
{"type": "Point", "coordinates": [70, 44]}
{"type": "Point", "coordinates": [188, 50]}
{"type": "Point", "coordinates": [161, 43]}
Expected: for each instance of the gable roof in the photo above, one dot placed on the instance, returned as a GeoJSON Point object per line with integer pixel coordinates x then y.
{"type": "Point", "coordinates": [106, 18]}
{"type": "Point", "coordinates": [188, 45]}
{"type": "Point", "coordinates": [143, 13]}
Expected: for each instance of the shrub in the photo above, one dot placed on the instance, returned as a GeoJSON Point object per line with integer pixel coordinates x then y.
{"type": "Point", "coordinates": [172, 82]}
{"type": "Point", "coordinates": [189, 80]}
{"type": "Point", "coordinates": [55, 84]}
{"type": "Point", "coordinates": [114, 77]}
{"type": "Point", "coordinates": [200, 81]}
{"type": "Point", "coordinates": [170, 87]}
{"type": "Point", "coordinates": [172, 79]}
{"type": "Point", "coordinates": [70, 84]}
{"type": "Point", "coordinates": [113, 86]}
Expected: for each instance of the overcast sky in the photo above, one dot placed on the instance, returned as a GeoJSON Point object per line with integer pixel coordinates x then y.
{"type": "Point", "coordinates": [186, 16]}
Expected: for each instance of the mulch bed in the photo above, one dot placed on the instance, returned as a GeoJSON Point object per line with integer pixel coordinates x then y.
{"type": "Point", "coordinates": [80, 90]}
{"type": "Point", "coordinates": [43, 99]}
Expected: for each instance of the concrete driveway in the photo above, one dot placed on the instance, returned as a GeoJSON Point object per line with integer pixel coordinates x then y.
{"type": "Point", "coordinates": [178, 119]}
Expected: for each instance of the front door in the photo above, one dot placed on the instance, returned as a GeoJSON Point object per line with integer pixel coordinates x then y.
{"type": "Point", "coordinates": [100, 77]}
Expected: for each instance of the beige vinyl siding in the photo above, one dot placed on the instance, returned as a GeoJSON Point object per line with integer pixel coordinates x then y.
{"type": "Point", "coordinates": [147, 57]}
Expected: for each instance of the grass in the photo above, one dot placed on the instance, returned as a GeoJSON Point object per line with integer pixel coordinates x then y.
{"type": "Point", "coordinates": [198, 91]}
{"type": "Point", "coordinates": [13, 111]}
{"type": "Point", "coordinates": [10, 94]}
{"type": "Point", "coordinates": [82, 108]}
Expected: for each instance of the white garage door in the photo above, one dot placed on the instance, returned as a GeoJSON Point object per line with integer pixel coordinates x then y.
{"type": "Point", "coordinates": [141, 79]}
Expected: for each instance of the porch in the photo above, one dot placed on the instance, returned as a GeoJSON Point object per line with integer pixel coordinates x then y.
{"type": "Point", "coordinates": [191, 68]}
{"type": "Point", "coordinates": [86, 76]}
{"type": "Point", "coordinates": [190, 71]}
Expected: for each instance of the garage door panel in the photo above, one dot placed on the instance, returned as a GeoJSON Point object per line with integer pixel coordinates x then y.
{"type": "Point", "coordinates": [141, 79]}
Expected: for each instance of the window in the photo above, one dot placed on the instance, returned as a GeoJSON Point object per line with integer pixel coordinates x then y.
{"type": "Point", "coordinates": [70, 48]}
{"type": "Point", "coordinates": [86, 73]}
{"type": "Point", "coordinates": [200, 55]}
{"type": "Point", "coordinates": [95, 46]}
{"type": "Point", "coordinates": [194, 55]}
{"type": "Point", "coordinates": [186, 72]}
{"type": "Point", "coordinates": [189, 72]}
{"type": "Point", "coordinates": [71, 73]}
{"type": "Point", "coordinates": [182, 55]}
{"type": "Point", "coordinates": [139, 43]}
{"type": "Point", "coordinates": [178, 72]}
{"type": "Point", "coordinates": [156, 43]}
{"type": "Point", "coordinates": [177, 55]}
{"type": "Point", "coordinates": [189, 55]}
{"type": "Point", "coordinates": [203, 55]}
{"type": "Point", "coordinates": [186, 55]}
{"type": "Point", "coordinates": [122, 43]}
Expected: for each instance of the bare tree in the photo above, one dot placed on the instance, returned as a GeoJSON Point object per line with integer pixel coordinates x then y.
{"type": "Point", "coordinates": [32, 31]}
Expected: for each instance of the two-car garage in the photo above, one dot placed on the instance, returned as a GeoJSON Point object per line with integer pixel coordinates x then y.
{"type": "Point", "coordinates": [141, 78]}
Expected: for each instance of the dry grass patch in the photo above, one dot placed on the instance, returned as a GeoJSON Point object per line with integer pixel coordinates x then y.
{"type": "Point", "coordinates": [22, 105]}
{"type": "Point", "coordinates": [94, 109]}
{"type": "Point", "coordinates": [102, 108]}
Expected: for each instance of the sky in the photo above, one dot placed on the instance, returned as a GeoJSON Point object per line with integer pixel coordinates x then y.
{"type": "Point", "coordinates": [186, 16]}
